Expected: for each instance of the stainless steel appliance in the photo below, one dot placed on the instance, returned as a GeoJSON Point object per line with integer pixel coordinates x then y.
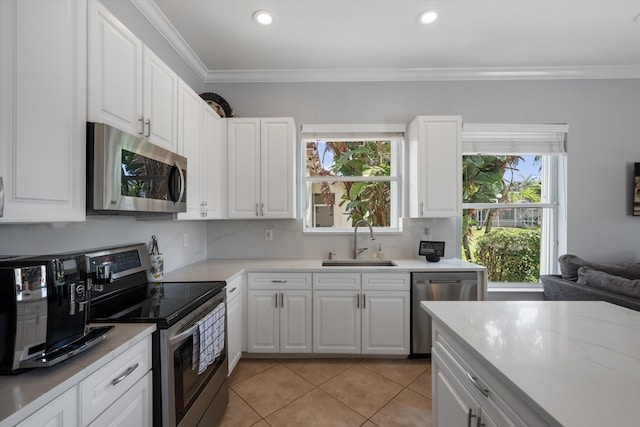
{"type": "Point", "coordinates": [181, 395]}
{"type": "Point", "coordinates": [44, 311]}
{"type": "Point", "coordinates": [128, 174]}
{"type": "Point", "coordinates": [440, 286]}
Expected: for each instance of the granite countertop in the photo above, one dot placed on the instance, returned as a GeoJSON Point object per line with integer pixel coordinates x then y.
{"type": "Point", "coordinates": [27, 392]}
{"type": "Point", "coordinates": [225, 269]}
{"type": "Point", "coordinates": [579, 361]}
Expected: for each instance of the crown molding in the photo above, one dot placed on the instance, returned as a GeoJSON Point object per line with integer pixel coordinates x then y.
{"type": "Point", "coordinates": [151, 11]}
{"type": "Point", "coordinates": [158, 19]}
{"type": "Point", "coordinates": [425, 74]}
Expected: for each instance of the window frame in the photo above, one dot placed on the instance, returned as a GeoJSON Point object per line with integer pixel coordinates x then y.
{"type": "Point", "coordinates": [546, 140]}
{"type": "Point", "coordinates": [395, 133]}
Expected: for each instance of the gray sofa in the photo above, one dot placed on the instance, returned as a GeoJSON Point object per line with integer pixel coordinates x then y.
{"type": "Point", "coordinates": [581, 280]}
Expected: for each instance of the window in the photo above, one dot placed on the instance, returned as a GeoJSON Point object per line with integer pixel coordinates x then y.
{"type": "Point", "coordinates": [352, 172]}
{"type": "Point", "coordinates": [513, 190]}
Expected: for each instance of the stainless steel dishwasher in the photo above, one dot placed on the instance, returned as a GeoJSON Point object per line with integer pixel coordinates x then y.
{"type": "Point", "coordinates": [445, 286]}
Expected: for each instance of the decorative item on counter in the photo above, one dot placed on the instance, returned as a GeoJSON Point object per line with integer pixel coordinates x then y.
{"type": "Point", "coordinates": [218, 104]}
{"type": "Point", "coordinates": [156, 271]}
{"type": "Point", "coordinates": [431, 250]}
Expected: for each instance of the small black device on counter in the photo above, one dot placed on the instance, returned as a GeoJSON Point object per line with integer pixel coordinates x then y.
{"type": "Point", "coordinates": [433, 251]}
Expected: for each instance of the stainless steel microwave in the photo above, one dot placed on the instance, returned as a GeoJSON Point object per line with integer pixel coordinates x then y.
{"type": "Point", "coordinates": [128, 174]}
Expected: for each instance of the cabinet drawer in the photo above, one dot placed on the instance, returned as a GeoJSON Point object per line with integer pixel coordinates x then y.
{"type": "Point", "coordinates": [133, 408]}
{"type": "Point", "coordinates": [386, 281]}
{"type": "Point", "coordinates": [105, 386]}
{"type": "Point", "coordinates": [279, 280]}
{"type": "Point", "coordinates": [336, 281]}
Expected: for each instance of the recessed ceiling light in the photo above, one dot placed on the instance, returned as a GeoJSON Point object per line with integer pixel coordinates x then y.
{"type": "Point", "coordinates": [263, 17]}
{"type": "Point", "coordinates": [428, 16]}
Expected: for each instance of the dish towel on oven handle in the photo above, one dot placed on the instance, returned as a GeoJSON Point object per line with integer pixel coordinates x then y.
{"type": "Point", "coordinates": [208, 339]}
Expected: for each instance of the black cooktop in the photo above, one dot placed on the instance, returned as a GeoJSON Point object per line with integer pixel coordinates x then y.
{"type": "Point", "coordinates": [164, 303]}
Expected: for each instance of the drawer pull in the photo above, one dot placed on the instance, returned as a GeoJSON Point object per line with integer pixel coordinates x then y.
{"type": "Point", "coordinates": [470, 416]}
{"type": "Point", "coordinates": [474, 381]}
{"type": "Point", "coordinates": [233, 290]}
{"type": "Point", "coordinates": [125, 374]}
{"type": "Point", "coordinates": [278, 281]}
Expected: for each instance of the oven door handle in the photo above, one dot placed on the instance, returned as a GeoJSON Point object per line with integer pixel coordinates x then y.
{"type": "Point", "coordinates": [173, 341]}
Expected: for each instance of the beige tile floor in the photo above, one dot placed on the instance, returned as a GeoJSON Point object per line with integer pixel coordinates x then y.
{"type": "Point", "coordinates": [329, 392]}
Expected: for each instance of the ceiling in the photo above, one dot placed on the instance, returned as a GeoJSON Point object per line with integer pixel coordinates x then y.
{"type": "Point", "coordinates": [378, 40]}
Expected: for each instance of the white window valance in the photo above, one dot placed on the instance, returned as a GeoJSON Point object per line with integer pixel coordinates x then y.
{"type": "Point", "coordinates": [535, 139]}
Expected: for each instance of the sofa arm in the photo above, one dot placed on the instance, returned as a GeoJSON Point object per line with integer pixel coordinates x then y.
{"type": "Point", "coordinates": [559, 289]}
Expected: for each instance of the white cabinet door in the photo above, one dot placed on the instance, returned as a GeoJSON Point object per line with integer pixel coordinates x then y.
{"type": "Point", "coordinates": [42, 110]}
{"type": "Point", "coordinates": [453, 405]}
{"type": "Point", "coordinates": [277, 175]}
{"type": "Point", "coordinates": [385, 322]}
{"type": "Point", "coordinates": [235, 322]}
{"type": "Point", "coordinates": [435, 166]}
{"type": "Point", "coordinates": [244, 167]}
{"type": "Point", "coordinates": [215, 164]}
{"type": "Point", "coordinates": [261, 167]}
{"type": "Point", "coordinates": [190, 145]}
{"type": "Point", "coordinates": [295, 322]}
{"type": "Point", "coordinates": [132, 409]}
{"type": "Point", "coordinates": [159, 101]}
{"type": "Point", "coordinates": [60, 412]}
{"type": "Point", "coordinates": [336, 322]}
{"type": "Point", "coordinates": [264, 321]}
{"type": "Point", "coordinates": [115, 72]}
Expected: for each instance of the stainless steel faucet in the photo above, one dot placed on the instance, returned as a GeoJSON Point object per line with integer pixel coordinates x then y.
{"type": "Point", "coordinates": [357, 251]}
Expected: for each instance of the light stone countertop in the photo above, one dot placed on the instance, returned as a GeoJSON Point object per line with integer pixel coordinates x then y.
{"type": "Point", "coordinates": [579, 361]}
{"type": "Point", "coordinates": [25, 393]}
{"type": "Point", "coordinates": [225, 269]}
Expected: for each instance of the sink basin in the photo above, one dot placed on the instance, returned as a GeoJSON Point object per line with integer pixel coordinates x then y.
{"type": "Point", "coordinates": [358, 263]}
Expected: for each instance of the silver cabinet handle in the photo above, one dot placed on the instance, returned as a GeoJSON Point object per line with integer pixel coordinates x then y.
{"type": "Point", "coordinates": [148, 123]}
{"type": "Point", "coordinates": [276, 300]}
{"type": "Point", "coordinates": [278, 281]}
{"type": "Point", "coordinates": [257, 211]}
{"type": "Point", "coordinates": [281, 299]}
{"type": "Point", "coordinates": [262, 209]}
{"type": "Point", "coordinates": [421, 208]}
{"type": "Point", "coordinates": [233, 290]}
{"type": "Point", "coordinates": [364, 301]}
{"type": "Point", "coordinates": [469, 417]}
{"type": "Point", "coordinates": [125, 374]}
{"type": "Point", "coordinates": [474, 381]}
{"type": "Point", "coordinates": [358, 301]}
{"type": "Point", "coordinates": [1, 197]}
{"type": "Point", "coordinates": [141, 120]}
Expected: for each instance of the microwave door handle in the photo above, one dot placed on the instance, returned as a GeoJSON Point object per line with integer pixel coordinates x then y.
{"type": "Point", "coordinates": [1, 197]}
{"type": "Point", "coordinates": [182, 183]}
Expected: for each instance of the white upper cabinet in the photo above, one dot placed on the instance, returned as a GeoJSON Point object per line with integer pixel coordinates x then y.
{"type": "Point", "coordinates": [435, 166]}
{"type": "Point", "coordinates": [42, 110]}
{"type": "Point", "coordinates": [202, 140]}
{"type": "Point", "coordinates": [261, 154]}
{"type": "Point", "coordinates": [130, 88]}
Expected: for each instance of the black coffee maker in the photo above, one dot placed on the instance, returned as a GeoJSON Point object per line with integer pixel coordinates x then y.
{"type": "Point", "coordinates": [44, 311]}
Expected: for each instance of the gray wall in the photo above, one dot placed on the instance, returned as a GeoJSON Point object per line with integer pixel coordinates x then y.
{"type": "Point", "coordinates": [604, 133]}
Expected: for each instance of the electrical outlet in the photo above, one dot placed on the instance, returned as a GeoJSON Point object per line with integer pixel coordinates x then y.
{"type": "Point", "coordinates": [185, 240]}
{"type": "Point", "coordinates": [268, 234]}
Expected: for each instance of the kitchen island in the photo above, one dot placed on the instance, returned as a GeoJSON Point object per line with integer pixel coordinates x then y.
{"type": "Point", "coordinates": [556, 363]}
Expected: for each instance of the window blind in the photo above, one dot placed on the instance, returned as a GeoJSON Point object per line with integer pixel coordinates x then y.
{"type": "Point", "coordinates": [352, 132]}
{"type": "Point", "coordinates": [535, 139]}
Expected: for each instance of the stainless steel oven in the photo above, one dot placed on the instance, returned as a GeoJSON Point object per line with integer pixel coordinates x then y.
{"type": "Point", "coordinates": [185, 393]}
{"type": "Point", "coordinates": [193, 399]}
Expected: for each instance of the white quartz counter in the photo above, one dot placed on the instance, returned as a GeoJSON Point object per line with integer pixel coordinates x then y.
{"type": "Point", "coordinates": [23, 394]}
{"type": "Point", "coordinates": [578, 361]}
{"type": "Point", "coordinates": [225, 269]}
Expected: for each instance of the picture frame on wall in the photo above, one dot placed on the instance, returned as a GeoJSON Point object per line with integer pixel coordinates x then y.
{"type": "Point", "coordinates": [636, 189]}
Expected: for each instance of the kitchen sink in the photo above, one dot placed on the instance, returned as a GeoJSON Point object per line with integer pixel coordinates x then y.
{"type": "Point", "coordinates": [358, 263]}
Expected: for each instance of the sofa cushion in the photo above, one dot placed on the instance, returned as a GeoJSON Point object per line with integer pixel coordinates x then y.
{"type": "Point", "coordinates": [569, 265]}
{"type": "Point", "coordinates": [609, 282]}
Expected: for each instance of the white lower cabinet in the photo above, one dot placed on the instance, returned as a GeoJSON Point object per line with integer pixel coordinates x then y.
{"type": "Point", "coordinates": [132, 409]}
{"type": "Point", "coordinates": [61, 412]}
{"type": "Point", "coordinates": [372, 317]}
{"type": "Point", "coordinates": [279, 313]}
{"type": "Point", "coordinates": [453, 404]}
{"type": "Point", "coordinates": [467, 392]}
{"type": "Point", "coordinates": [234, 322]}
{"type": "Point", "coordinates": [109, 389]}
